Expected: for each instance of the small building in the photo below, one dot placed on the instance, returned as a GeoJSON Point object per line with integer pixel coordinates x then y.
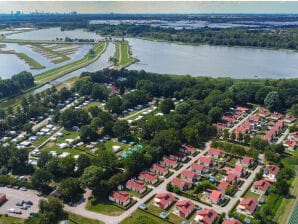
{"type": "Point", "coordinates": [198, 168]}
{"type": "Point", "coordinates": [163, 200]}
{"type": "Point", "coordinates": [239, 171]}
{"type": "Point", "coordinates": [120, 197]}
{"type": "Point", "coordinates": [179, 156]}
{"type": "Point", "coordinates": [216, 196]}
{"type": "Point", "coordinates": [171, 163]}
{"type": "Point", "coordinates": [293, 136]}
{"type": "Point", "coordinates": [136, 185]}
{"type": "Point", "coordinates": [270, 173]}
{"type": "Point", "coordinates": [148, 177]}
{"type": "Point", "coordinates": [246, 161]}
{"type": "Point", "coordinates": [290, 144]}
{"type": "Point", "coordinates": [184, 208]}
{"type": "Point", "coordinates": [206, 216]}
{"type": "Point", "coordinates": [189, 176]}
{"type": "Point", "coordinates": [232, 178]}
{"type": "Point", "coordinates": [223, 186]}
{"type": "Point", "coordinates": [216, 153]}
{"type": "Point", "coordinates": [188, 149]}
{"type": "Point", "coordinates": [260, 187]}
{"type": "Point", "coordinates": [181, 184]}
{"type": "Point", "coordinates": [159, 169]}
{"type": "Point", "coordinates": [205, 161]}
{"type": "Point", "coordinates": [248, 205]}
{"type": "Point", "coordinates": [2, 198]}
{"type": "Point", "coordinates": [289, 119]}
{"type": "Point", "coordinates": [231, 221]}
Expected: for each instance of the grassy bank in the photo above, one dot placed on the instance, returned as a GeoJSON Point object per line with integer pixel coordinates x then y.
{"type": "Point", "coordinates": [19, 41]}
{"type": "Point", "coordinates": [48, 52]}
{"type": "Point", "coordinates": [141, 217]}
{"type": "Point", "coordinates": [10, 220]}
{"type": "Point", "coordinates": [30, 61]}
{"type": "Point", "coordinates": [77, 219]}
{"type": "Point", "coordinates": [123, 56]}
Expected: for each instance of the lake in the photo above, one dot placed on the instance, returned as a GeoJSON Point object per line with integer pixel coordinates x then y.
{"type": "Point", "coordinates": [213, 61]}
{"type": "Point", "coordinates": [53, 33]}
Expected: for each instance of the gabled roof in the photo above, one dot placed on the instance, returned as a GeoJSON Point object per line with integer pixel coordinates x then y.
{"type": "Point", "coordinates": [180, 183]}
{"type": "Point", "coordinates": [290, 143]}
{"type": "Point", "coordinates": [213, 151]}
{"type": "Point", "coordinates": [165, 198]}
{"type": "Point", "coordinates": [205, 159]}
{"type": "Point", "coordinates": [231, 221]}
{"type": "Point", "coordinates": [249, 203]}
{"type": "Point", "coordinates": [169, 161]}
{"type": "Point", "coordinates": [294, 134]}
{"type": "Point", "coordinates": [273, 169]}
{"type": "Point", "coordinates": [188, 147]}
{"type": "Point", "coordinates": [209, 215]}
{"type": "Point", "coordinates": [148, 176]}
{"type": "Point", "coordinates": [121, 196]}
{"type": "Point", "coordinates": [185, 206]}
{"type": "Point", "coordinates": [160, 168]}
{"type": "Point", "coordinates": [261, 185]}
{"type": "Point", "coordinates": [215, 195]}
{"type": "Point", "coordinates": [246, 160]}
{"type": "Point", "coordinates": [238, 169]}
{"type": "Point", "coordinates": [242, 108]}
{"type": "Point", "coordinates": [231, 177]}
{"type": "Point", "coordinates": [223, 185]}
{"type": "Point", "coordinates": [189, 174]}
{"type": "Point", "coordinates": [197, 166]}
{"type": "Point", "coordinates": [136, 184]}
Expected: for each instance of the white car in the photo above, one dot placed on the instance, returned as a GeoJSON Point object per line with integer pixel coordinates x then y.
{"type": "Point", "coordinates": [11, 210]}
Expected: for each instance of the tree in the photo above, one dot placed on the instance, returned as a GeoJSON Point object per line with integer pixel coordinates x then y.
{"type": "Point", "coordinates": [121, 129]}
{"type": "Point", "coordinates": [294, 110]}
{"type": "Point", "coordinates": [82, 163]}
{"type": "Point", "coordinates": [166, 106]}
{"type": "Point", "coordinates": [226, 134]}
{"type": "Point", "coordinates": [246, 138]}
{"type": "Point", "coordinates": [168, 140]}
{"type": "Point", "coordinates": [43, 159]}
{"type": "Point", "coordinates": [240, 137]}
{"type": "Point", "coordinates": [258, 144]}
{"type": "Point", "coordinates": [233, 136]}
{"type": "Point", "coordinates": [114, 104]}
{"type": "Point", "coordinates": [28, 128]}
{"type": "Point", "coordinates": [282, 187]}
{"type": "Point", "coordinates": [272, 101]}
{"type": "Point", "coordinates": [41, 179]}
{"type": "Point", "coordinates": [169, 187]}
{"type": "Point", "coordinates": [215, 114]}
{"type": "Point", "coordinates": [99, 92]}
{"type": "Point", "coordinates": [183, 108]}
{"type": "Point", "coordinates": [66, 166]}
{"type": "Point", "coordinates": [69, 188]}
{"type": "Point", "coordinates": [91, 176]}
{"type": "Point", "coordinates": [88, 134]}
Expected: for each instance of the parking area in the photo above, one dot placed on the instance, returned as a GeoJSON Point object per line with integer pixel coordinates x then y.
{"type": "Point", "coordinates": [14, 196]}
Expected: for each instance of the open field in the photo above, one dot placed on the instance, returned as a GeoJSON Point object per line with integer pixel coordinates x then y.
{"type": "Point", "coordinates": [123, 55]}
{"type": "Point", "coordinates": [103, 206]}
{"type": "Point", "coordinates": [141, 217]}
{"type": "Point", "coordinates": [10, 220]}
{"type": "Point", "coordinates": [77, 219]}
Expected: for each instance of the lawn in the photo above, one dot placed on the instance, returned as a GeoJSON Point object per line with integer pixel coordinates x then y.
{"type": "Point", "coordinates": [103, 206]}
{"type": "Point", "coordinates": [141, 217]}
{"type": "Point", "coordinates": [123, 54]}
{"type": "Point", "coordinates": [124, 147]}
{"type": "Point", "coordinates": [10, 220]}
{"type": "Point", "coordinates": [77, 219]}
{"type": "Point", "coordinates": [251, 194]}
{"type": "Point", "coordinates": [92, 104]}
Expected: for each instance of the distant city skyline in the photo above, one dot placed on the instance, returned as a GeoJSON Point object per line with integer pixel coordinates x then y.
{"type": "Point", "coordinates": [149, 7]}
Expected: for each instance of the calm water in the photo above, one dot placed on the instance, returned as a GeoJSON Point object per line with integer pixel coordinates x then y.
{"type": "Point", "coordinates": [53, 33]}
{"type": "Point", "coordinates": [214, 61]}
{"type": "Point", "coordinates": [11, 64]}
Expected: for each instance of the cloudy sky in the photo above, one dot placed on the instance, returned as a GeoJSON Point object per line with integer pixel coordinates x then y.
{"type": "Point", "coordinates": [150, 7]}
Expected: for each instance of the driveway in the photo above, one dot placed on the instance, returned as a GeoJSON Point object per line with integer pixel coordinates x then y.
{"type": "Point", "coordinates": [14, 196]}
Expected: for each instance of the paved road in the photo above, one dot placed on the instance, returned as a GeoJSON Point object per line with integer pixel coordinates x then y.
{"type": "Point", "coordinates": [243, 120]}
{"type": "Point", "coordinates": [283, 136]}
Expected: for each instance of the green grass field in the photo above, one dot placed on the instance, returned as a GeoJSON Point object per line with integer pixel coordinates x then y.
{"type": "Point", "coordinates": [77, 219]}
{"type": "Point", "coordinates": [30, 61]}
{"type": "Point", "coordinates": [103, 206]}
{"type": "Point", "coordinates": [10, 220]}
{"type": "Point", "coordinates": [123, 54]}
{"type": "Point", "coordinates": [141, 217]}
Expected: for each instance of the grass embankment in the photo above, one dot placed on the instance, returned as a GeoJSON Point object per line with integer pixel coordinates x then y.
{"type": "Point", "coordinates": [10, 220]}
{"type": "Point", "coordinates": [103, 206]}
{"type": "Point", "coordinates": [123, 56]}
{"type": "Point", "coordinates": [141, 217]}
{"type": "Point", "coordinates": [55, 73]}
{"type": "Point", "coordinates": [77, 219]}
{"type": "Point", "coordinates": [19, 41]}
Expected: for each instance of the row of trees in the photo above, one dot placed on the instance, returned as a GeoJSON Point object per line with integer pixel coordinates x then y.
{"type": "Point", "coordinates": [17, 83]}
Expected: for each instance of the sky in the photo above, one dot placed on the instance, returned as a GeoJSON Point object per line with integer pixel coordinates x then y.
{"type": "Point", "coordinates": [150, 7]}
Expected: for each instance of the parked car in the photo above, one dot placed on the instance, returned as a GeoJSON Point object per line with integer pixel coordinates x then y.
{"type": "Point", "coordinates": [20, 203]}
{"type": "Point", "coordinates": [18, 212]}
{"type": "Point", "coordinates": [8, 186]}
{"type": "Point", "coordinates": [29, 202]}
{"type": "Point", "coordinates": [23, 189]}
{"type": "Point", "coordinates": [11, 210]}
{"type": "Point", "coordinates": [16, 187]}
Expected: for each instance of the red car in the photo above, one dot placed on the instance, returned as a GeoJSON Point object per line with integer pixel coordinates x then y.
{"type": "Point", "coordinates": [8, 186]}
{"type": "Point", "coordinates": [18, 212]}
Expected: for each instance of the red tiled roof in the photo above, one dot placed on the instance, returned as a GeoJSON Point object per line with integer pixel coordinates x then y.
{"type": "Point", "coordinates": [250, 204]}
{"type": "Point", "coordinates": [159, 168]}
{"type": "Point", "coordinates": [179, 183]}
{"type": "Point", "coordinates": [121, 196]}
{"type": "Point", "coordinates": [205, 159]}
{"type": "Point", "coordinates": [261, 185]}
{"type": "Point", "coordinates": [238, 169]}
{"type": "Point", "coordinates": [136, 184]}
{"type": "Point", "coordinates": [273, 169]}
{"type": "Point", "coordinates": [148, 176]}
{"type": "Point", "coordinates": [290, 143]}
{"type": "Point", "coordinates": [231, 221]}
{"type": "Point", "coordinates": [169, 161]}
{"type": "Point", "coordinates": [246, 160]}
{"type": "Point", "coordinates": [209, 215]}
{"type": "Point", "coordinates": [290, 118]}
{"type": "Point", "coordinates": [189, 174]}
{"type": "Point", "coordinates": [189, 148]}
{"type": "Point", "coordinates": [242, 108]}
{"type": "Point", "coordinates": [223, 185]}
{"type": "Point", "coordinates": [197, 166]}
{"type": "Point", "coordinates": [231, 177]}
{"type": "Point", "coordinates": [185, 206]}
{"type": "Point", "coordinates": [294, 134]}
{"type": "Point", "coordinates": [215, 195]}
{"type": "Point", "coordinates": [213, 151]}
{"type": "Point", "coordinates": [273, 130]}
{"type": "Point", "coordinates": [165, 198]}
